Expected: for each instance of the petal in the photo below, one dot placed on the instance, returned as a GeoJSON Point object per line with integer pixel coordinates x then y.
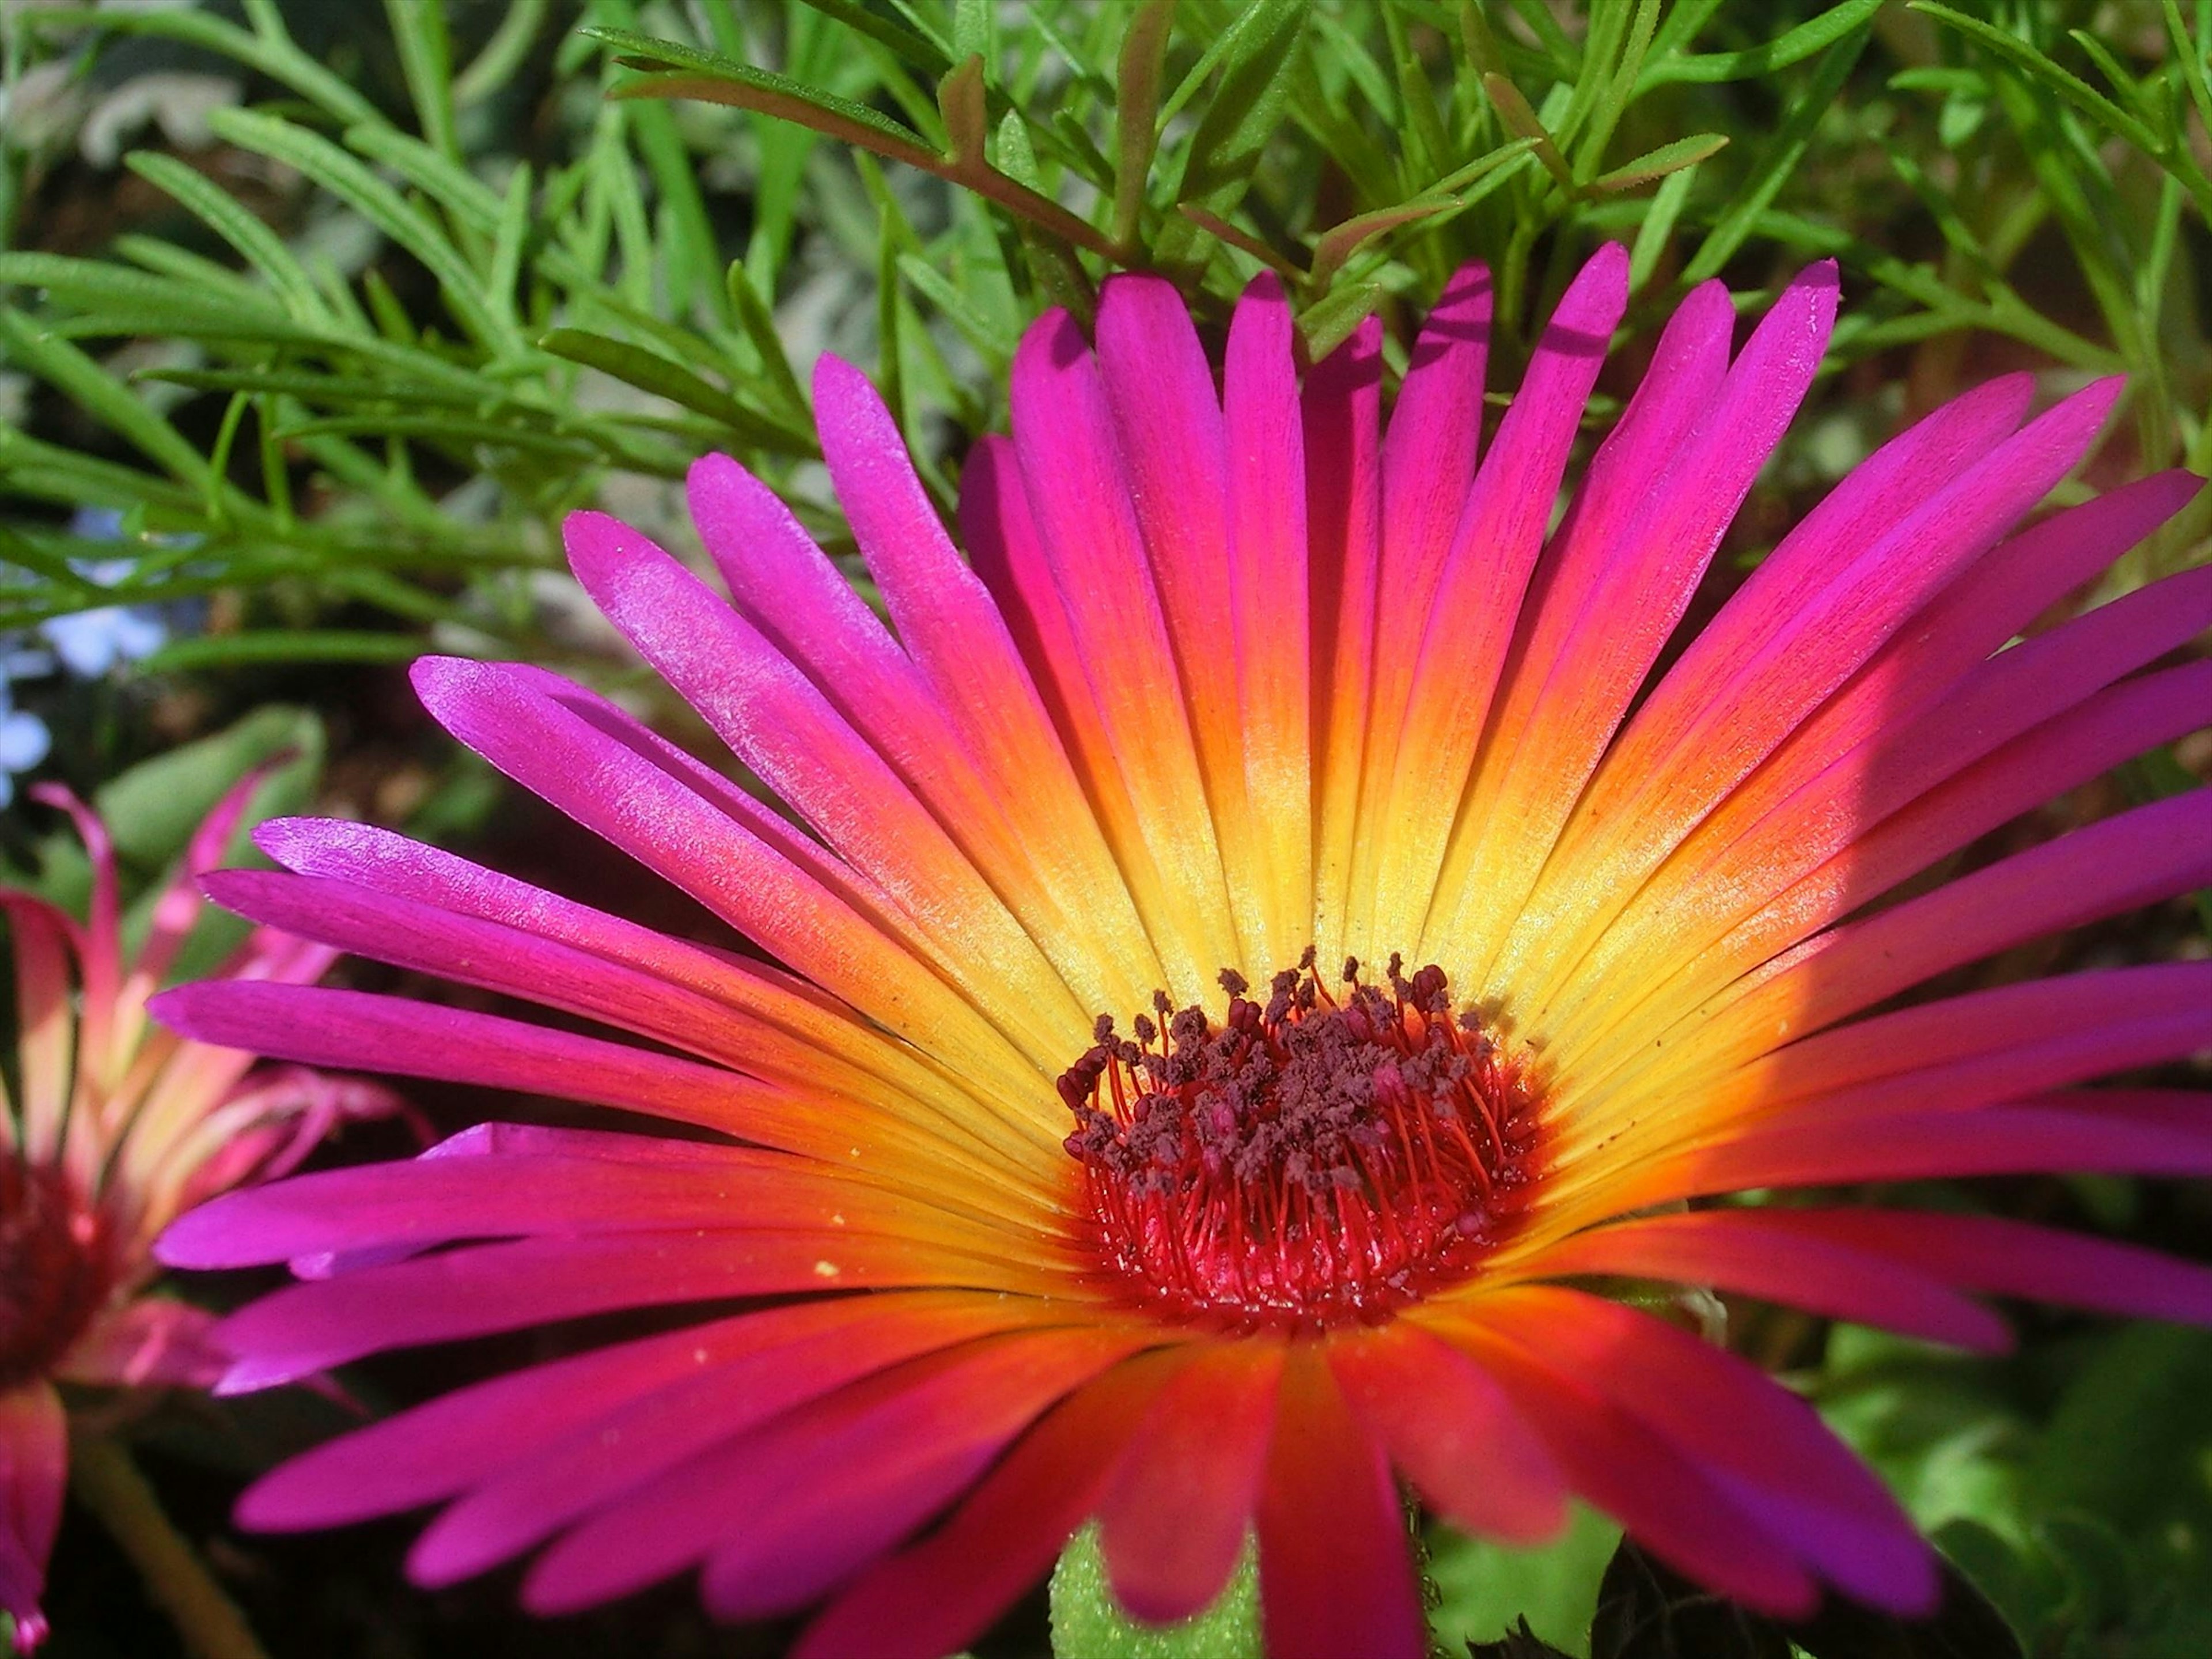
{"type": "Point", "coordinates": [1267, 546]}
{"type": "Point", "coordinates": [1754, 1438]}
{"type": "Point", "coordinates": [1764, 1252]}
{"type": "Point", "coordinates": [1336, 1576]}
{"type": "Point", "coordinates": [938, 1595]}
{"type": "Point", "coordinates": [1480, 593]}
{"type": "Point", "coordinates": [907, 1439]}
{"type": "Point", "coordinates": [1080, 503]}
{"type": "Point", "coordinates": [1172, 1521]}
{"type": "Point", "coordinates": [716, 843]}
{"type": "Point", "coordinates": [34, 1466]}
{"type": "Point", "coordinates": [303, 1328]}
{"type": "Point", "coordinates": [1453, 1430]}
{"type": "Point", "coordinates": [1344, 516]}
{"type": "Point", "coordinates": [2002, 1257]}
{"type": "Point", "coordinates": [767, 1364]}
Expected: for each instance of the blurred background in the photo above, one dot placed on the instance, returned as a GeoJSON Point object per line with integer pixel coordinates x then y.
{"type": "Point", "coordinates": [316, 318]}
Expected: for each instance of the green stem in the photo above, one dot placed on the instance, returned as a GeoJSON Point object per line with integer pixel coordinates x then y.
{"type": "Point", "coordinates": [108, 1483]}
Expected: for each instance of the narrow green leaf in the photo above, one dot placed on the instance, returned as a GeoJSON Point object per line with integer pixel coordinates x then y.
{"type": "Point", "coordinates": [986, 334]}
{"type": "Point", "coordinates": [2188, 58]}
{"type": "Point", "coordinates": [508, 244]}
{"type": "Point", "coordinates": [759, 324]}
{"type": "Point", "coordinates": [260, 246]}
{"type": "Point", "coordinates": [1658, 163]}
{"type": "Point", "coordinates": [282, 645]}
{"type": "Point", "coordinates": [673, 69]}
{"type": "Point", "coordinates": [426, 61]}
{"type": "Point", "coordinates": [650, 372]}
{"type": "Point", "coordinates": [345, 177]}
{"type": "Point", "coordinates": [275, 56]}
{"type": "Point", "coordinates": [1812, 35]}
{"type": "Point", "coordinates": [1247, 106]}
{"type": "Point", "coordinates": [932, 56]}
{"type": "Point", "coordinates": [1516, 116]}
{"type": "Point", "coordinates": [1328, 324]}
{"type": "Point", "coordinates": [2040, 69]}
{"type": "Point", "coordinates": [1339, 242]}
{"type": "Point", "coordinates": [1136, 111]}
{"type": "Point", "coordinates": [502, 55]}
{"type": "Point", "coordinates": [81, 381]}
{"type": "Point", "coordinates": [1658, 225]}
{"type": "Point", "coordinates": [1779, 160]}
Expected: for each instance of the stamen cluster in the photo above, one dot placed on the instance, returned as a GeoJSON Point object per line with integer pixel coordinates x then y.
{"type": "Point", "coordinates": [56, 1267]}
{"type": "Point", "coordinates": [1305, 1160]}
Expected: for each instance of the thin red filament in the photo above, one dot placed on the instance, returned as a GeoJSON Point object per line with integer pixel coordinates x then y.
{"type": "Point", "coordinates": [1305, 1160]}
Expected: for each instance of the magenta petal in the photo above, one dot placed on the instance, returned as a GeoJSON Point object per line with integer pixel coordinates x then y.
{"type": "Point", "coordinates": [303, 1328]}
{"type": "Point", "coordinates": [1335, 1576]}
{"type": "Point", "coordinates": [441, 1448]}
{"type": "Point", "coordinates": [354, 1029]}
{"type": "Point", "coordinates": [1198, 1460]}
{"type": "Point", "coordinates": [2003, 1257]}
{"type": "Point", "coordinates": [766, 1364]}
{"type": "Point", "coordinates": [1455, 1433]}
{"type": "Point", "coordinates": [807, 1479]}
{"type": "Point", "coordinates": [1764, 1252]}
{"type": "Point", "coordinates": [941, 1593]}
{"type": "Point", "coordinates": [2123, 1131]}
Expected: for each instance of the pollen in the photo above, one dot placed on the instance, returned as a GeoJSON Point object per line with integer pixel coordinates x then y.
{"type": "Point", "coordinates": [1305, 1160]}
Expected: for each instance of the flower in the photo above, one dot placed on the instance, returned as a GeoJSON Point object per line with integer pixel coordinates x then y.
{"type": "Point", "coordinates": [115, 1128]}
{"type": "Point", "coordinates": [1096, 1150]}
{"type": "Point", "coordinates": [24, 740]}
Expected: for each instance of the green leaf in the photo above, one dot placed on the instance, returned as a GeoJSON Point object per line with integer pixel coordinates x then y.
{"type": "Point", "coordinates": [1328, 325]}
{"type": "Point", "coordinates": [1779, 159]}
{"type": "Point", "coordinates": [260, 246]}
{"type": "Point", "coordinates": [1136, 111]}
{"type": "Point", "coordinates": [426, 61]}
{"type": "Point", "coordinates": [1660, 162]}
{"type": "Point", "coordinates": [675, 70]}
{"type": "Point", "coordinates": [1247, 106]}
{"type": "Point", "coordinates": [2039, 68]}
{"type": "Point", "coordinates": [152, 809]}
{"type": "Point", "coordinates": [650, 372]}
{"type": "Point", "coordinates": [346, 178]}
{"type": "Point", "coordinates": [273, 53]}
{"type": "Point", "coordinates": [282, 645]}
{"type": "Point", "coordinates": [74, 374]}
{"type": "Point", "coordinates": [1814, 34]}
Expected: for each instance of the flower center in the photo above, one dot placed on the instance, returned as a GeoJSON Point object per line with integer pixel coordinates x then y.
{"type": "Point", "coordinates": [1307, 1160]}
{"type": "Point", "coordinates": [55, 1268]}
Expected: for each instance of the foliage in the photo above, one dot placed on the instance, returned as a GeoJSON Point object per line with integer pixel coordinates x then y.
{"type": "Point", "coordinates": [537, 309]}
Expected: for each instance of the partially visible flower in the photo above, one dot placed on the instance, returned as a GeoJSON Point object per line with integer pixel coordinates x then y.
{"type": "Point", "coordinates": [91, 642]}
{"type": "Point", "coordinates": [1096, 1152]}
{"type": "Point", "coordinates": [115, 1126]}
{"type": "Point", "coordinates": [24, 741]}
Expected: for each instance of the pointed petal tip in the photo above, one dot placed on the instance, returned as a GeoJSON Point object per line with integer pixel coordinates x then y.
{"type": "Point", "coordinates": [836, 380]}
{"type": "Point", "coordinates": [712, 471]}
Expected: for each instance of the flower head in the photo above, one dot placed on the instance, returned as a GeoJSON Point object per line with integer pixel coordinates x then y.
{"type": "Point", "coordinates": [1258, 949]}
{"type": "Point", "coordinates": [115, 1128]}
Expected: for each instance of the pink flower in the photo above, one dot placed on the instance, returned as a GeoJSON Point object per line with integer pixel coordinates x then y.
{"type": "Point", "coordinates": [1066, 1169]}
{"type": "Point", "coordinates": [118, 1126]}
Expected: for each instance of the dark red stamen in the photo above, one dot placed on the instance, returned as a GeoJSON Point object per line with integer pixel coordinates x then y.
{"type": "Point", "coordinates": [57, 1268]}
{"type": "Point", "coordinates": [1304, 1160]}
